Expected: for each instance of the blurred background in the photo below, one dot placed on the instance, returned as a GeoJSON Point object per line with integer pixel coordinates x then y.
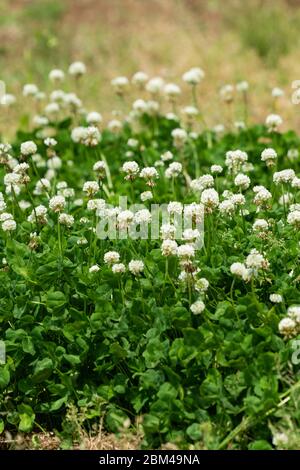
{"type": "Point", "coordinates": [231, 40]}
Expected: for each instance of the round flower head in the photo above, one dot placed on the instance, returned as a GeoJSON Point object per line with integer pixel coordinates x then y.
{"type": "Point", "coordinates": [9, 225]}
{"type": "Point", "coordinates": [136, 267]}
{"type": "Point", "coordinates": [30, 89]}
{"type": "Point", "coordinates": [131, 169]}
{"type": "Point", "coordinates": [139, 106]}
{"type": "Point", "coordinates": [99, 168]}
{"type": "Point", "coordinates": [169, 248]}
{"type": "Point", "coordinates": [179, 137]}
{"type": "Point", "coordinates": [115, 126]}
{"type": "Point", "coordinates": [28, 148]}
{"type": "Point", "coordinates": [155, 85]}
{"type": "Point", "coordinates": [293, 218]}
{"type": "Point", "coordinates": [227, 93]}
{"type": "Point", "coordinates": [118, 268]}
{"type": "Point", "coordinates": [210, 199]}
{"type": "Point", "coordinates": [172, 91]}
{"type": "Point", "coordinates": [7, 100]}
{"type": "Point", "coordinates": [174, 170]}
{"type": "Point", "coordinates": [94, 269]}
{"type": "Point", "coordinates": [77, 69]}
{"type": "Point", "coordinates": [139, 79]}
{"type": "Point", "coordinates": [90, 188]}
{"type": "Point", "coordinates": [287, 327]}
{"type": "Point", "coordinates": [120, 85]}
{"type": "Point", "coordinates": [242, 86]}
{"type": "Point", "coordinates": [93, 118]}
{"type": "Point", "coordinates": [66, 219]}
{"type": "Point", "coordinates": [111, 257]}
{"type": "Point", "coordinates": [57, 203]}
{"type": "Point", "coordinates": [242, 181]}
{"type": "Point", "coordinates": [276, 298]}
{"type": "Point", "coordinates": [273, 122]}
{"type": "Point", "coordinates": [277, 92]}
{"type": "Point", "coordinates": [146, 196]}
{"type": "Point", "coordinates": [216, 169]}
{"type": "Point", "coordinates": [197, 307]}
{"type": "Point", "coordinates": [269, 156]}
{"type": "Point", "coordinates": [149, 173]}
{"type": "Point", "coordinates": [56, 76]}
{"type": "Point", "coordinates": [193, 76]}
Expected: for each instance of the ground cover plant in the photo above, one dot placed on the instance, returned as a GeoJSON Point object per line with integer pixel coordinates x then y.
{"type": "Point", "coordinates": [190, 340]}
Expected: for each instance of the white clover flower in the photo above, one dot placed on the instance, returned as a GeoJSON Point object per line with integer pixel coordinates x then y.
{"type": "Point", "coordinates": [7, 100]}
{"type": "Point", "coordinates": [52, 109]}
{"type": "Point", "coordinates": [210, 199]}
{"type": "Point", "coordinates": [235, 159]}
{"type": "Point", "coordinates": [91, 137]}
{"type": "Point", "coordinates": [227, 207]}
{"type": "Point", "coordinates": [66, 219]}
{"type": "Point", "coordinates": [194, 212]}
{"type": "Point", "coordinates": [227, 93]}
{"type": "Point", "coordinates": [262, 196]}
{"type": "Point", "coordinates": [155, 85]}
{"type": "Point", "coordinates": [72, 100]}
{"type": "Point", "coordinates": [175, 207]}
{"type": "Point", "coordinates": [167, 231]}
{"type": "Point", "coordinates": [238, 269]}
{"type": "Point", "coordinates": [186, 252]}
{"type": "Point", "coordinates": [269, 156]}
{"type": "Point", "coordinates": [296, 183]}
{"type": "Point", "coordinates": [190, 235]}
{"type": "Point", "coordinates": [6, 216]}
{"type": "Point", "coordinates": [99, 168]}
{"type": "Point", "coordinates": [293, 218]}
{"type": "Point", "coordinates": [193, 76]}
{"type": "Point", "coordinates": [115, 126]}
{"type": "Point", "coordinates": [197, 307]}
{"type": "Point", "coordinates": [9, 225]}
{"type": "Point", "coordinates": [111, 257]}
{"type": "Point", "coordinates": [242, 181]}
{"type": "Point", "coordinates": [41, 215]}
{"type": "Point", "coordinates": [169, 248]}
{"type": "Point", "coordinates": [118, 268]}
{"type": "Point", "coordinates": [146, 196]}
{"type": "Point", "coordinates": [294, 313]}
{"type": "Point", "coordinates": [136, 267]}
{"type": "Point", "coordinates": [28, 148]}
{"type": "Point", "coordinates": [190, 112]}
{"type": "Point", "coordinates": [280, 439]}
{"type": "Point", "coordinates": [142, 216]}
{"type": "Point", "coordinates": [216, 169]}
{"type": "Point", "coordinates": [131, 169]}
{"type": "Point", "coordinates": [57, 203]}
{"type": "Point", "coordinates": [174, 170]}
{"type": "Point", "coordinates": [50, 142]}
{"type": "Point", "coordinates": [93, 118]}
{"type": "Point", "coordinates": [293, 154]}
{"type": "Point", "coordinates": [284, 176]}
{"type": "Point", "coordinates": [56, 75]}
{"type": "Point", "coordinates": [179, 137]}
{"type": "Point", "coordinates": [139, 106]}
{"type": "Point", "coordinates": [276, 298]}
{"type": "Point", "coordinates": [242, 86]}
{"type": "Point", "coordinates": [172, 91]}
{"type": "Point", "coordinates": [152, 107]}
{"type": "Point", "coordinates": [273, 122]}
{"type": "Point", "coordinates": [42, 186]}
{"type": "Point", "coordinates": [239, 125]}
{"type": "Point", "coordinates": [260, 225]}
{"type": "Point", "coordinates": [30, 89]}
{"type": "Point", "coordinates": [287, 327]}
{"type": "Point", "coordinates": [139, 79]}
{"type": "Point", "coordinates": [94, 269]}
{"type": "Point", "coordinates": [125, 219]}
{"type": "Point", "coordinates": [12, 179]}
{"type": "Point", "coordinates": [256, 260]}
{"type": "Point", "coordinates": [120, 85]}
{"type": "Point", "coordinates": [202, 285]}
{"type": "Point", "coordinates": [149, 173]}
{"type": "Point", "coordinates": [78, 134]}
{"type": "Point", "coordinates": [90, 188]}
{"type": "Point", "coordinates": [77, 69]}
{"type": "Point", "coordinates": [40, 121]}
{"type": "Point", "coordinates": [277, 92]}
